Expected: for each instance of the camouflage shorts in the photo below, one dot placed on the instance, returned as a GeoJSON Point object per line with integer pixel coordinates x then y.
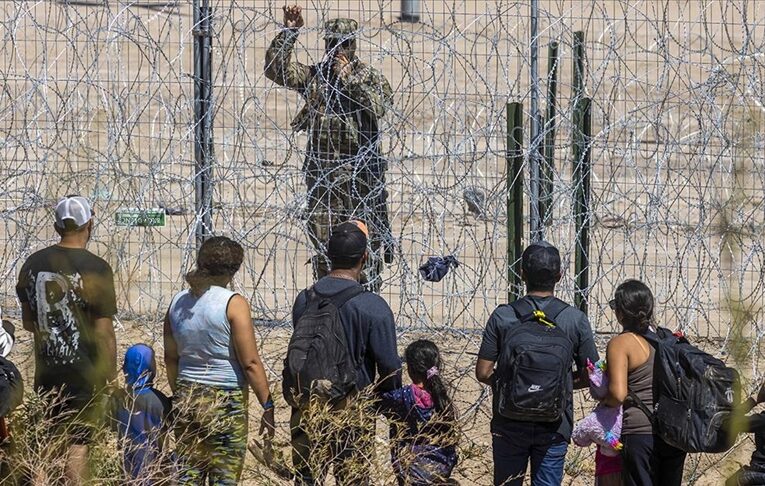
{"type": "Point", "coordinates": [211, 433]}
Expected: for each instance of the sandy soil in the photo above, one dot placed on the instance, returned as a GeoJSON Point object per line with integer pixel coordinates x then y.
{"type": "Point", "coordinates": [472, 401]}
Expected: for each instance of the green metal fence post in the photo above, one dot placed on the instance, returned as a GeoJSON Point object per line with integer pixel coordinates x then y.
{"type": "Point", "coordinates": [548, 172]}
{"type": "Point", "coordinates": [578, 64]}
{"type": "Point", "coordinates": [203, 119]}
{"type": "Point", "coordinates": [581, 179]}
{"type": "Point", "coordinates": [514, 182]}
{"type": "Point", "coordinates": [581, 176]}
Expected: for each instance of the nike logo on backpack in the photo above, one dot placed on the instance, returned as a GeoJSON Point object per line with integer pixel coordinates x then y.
{"type": "Point", "coordinates": [534, 388]}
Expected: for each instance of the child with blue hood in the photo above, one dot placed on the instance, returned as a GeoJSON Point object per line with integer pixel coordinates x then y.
{"type": "Point", "coordinates": [140, 414]}
{"type": "Point", "coordinates": [423, 421]}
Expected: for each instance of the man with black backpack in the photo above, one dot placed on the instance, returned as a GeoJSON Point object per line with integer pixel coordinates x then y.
{"type": "Point", "coordinates": [526, 357]}
{"type": "Point", "coordinates": [344, 340]}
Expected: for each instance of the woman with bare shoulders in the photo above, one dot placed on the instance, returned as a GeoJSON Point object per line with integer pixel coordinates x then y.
{"type": "Point", "coordinates": [212, 359]}
{"type": "Point", "coordinates": [648, 460]}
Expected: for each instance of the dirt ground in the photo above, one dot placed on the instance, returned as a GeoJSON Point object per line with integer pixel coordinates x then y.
{"type": "Point", "coordinates": [471, 399]}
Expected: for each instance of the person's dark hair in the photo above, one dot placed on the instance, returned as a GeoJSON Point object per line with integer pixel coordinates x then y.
{"type": "Point", "coordinates": [70, 227]}
{"type": "Point", "coordinates": [218, 257]}
{"type": "Point", "coordinates": [346, 247]}
{"type": "Point", "coordinates": [337, 262]}
{"type": "Point", "coordinates": [423, 362]}
{"type": "Point", "coordinates": [634, 302]}
{"type": "Point", "coordinates": [541, 267]}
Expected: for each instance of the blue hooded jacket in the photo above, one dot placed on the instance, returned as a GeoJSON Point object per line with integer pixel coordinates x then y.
{"type": "Point", "coordinates": [140, 411]}
{"type": "Point", "coordinates": [139, 368]}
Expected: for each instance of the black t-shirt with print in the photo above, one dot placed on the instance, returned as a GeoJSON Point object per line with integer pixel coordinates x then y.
{"type": "Point", "coordinates": [67, 289]}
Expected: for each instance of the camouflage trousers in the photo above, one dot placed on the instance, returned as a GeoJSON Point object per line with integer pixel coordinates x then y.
{"type": "Point", "coordinates": [211, 433]}
{"type": "Point", "coordinates": [343, 189]}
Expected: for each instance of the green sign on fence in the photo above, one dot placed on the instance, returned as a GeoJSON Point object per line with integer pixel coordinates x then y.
{"type": "Point", "coordinates": [140, 217]}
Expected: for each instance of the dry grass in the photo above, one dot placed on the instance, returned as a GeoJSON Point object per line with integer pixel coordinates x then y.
{"type": "Point", "coordinates": [37, 454]}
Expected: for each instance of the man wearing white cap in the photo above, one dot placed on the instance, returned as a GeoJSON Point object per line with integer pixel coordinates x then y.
{"type": "Point", "coordinates": [67, 299]}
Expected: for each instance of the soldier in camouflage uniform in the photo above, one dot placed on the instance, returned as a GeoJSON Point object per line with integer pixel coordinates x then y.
{"type": "Point", "coordinates": [344, 170]}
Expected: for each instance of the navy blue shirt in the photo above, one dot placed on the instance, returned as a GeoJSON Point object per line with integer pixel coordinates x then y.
{"type": "Point", "coordinates": [370, 330]}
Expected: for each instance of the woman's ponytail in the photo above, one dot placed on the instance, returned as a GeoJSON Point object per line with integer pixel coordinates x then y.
{"type": "Point", "coordinates": [634, 304]}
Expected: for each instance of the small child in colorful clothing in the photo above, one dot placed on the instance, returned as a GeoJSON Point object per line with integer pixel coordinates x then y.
{"type": "Point", "coordinates": [603, 426]}
{"type": "Point", "coordinates": [140, 416]}
{"type": "Point", "coordinates": [423, 432]}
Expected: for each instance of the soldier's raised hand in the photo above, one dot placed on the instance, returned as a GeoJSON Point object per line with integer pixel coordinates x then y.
{"type": "Point", "coordinates": [293, 17]}
{"type": "Point", "coordinates": [342, 66]}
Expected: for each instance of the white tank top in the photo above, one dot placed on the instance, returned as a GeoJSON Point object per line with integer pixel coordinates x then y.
{"type": "Point", "coordinates": [202, 333]}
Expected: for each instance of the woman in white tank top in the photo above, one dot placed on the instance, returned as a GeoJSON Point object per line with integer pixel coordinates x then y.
{"type": "Point", "coordinates": [211, 357]}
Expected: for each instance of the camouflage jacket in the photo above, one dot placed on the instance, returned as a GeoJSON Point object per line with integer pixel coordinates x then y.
{"type": "Point", "coordinates": [341, 116]}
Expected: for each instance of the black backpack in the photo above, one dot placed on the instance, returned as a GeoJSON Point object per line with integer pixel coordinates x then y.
{"type": "Point", "coordinates": [695, 395]}
{"type": "Point", "coordinates": [11, 387]}
{"type": "Point", "coordinates": [318, 362]}
{"type": "Point", "coordinates": [534, 365]}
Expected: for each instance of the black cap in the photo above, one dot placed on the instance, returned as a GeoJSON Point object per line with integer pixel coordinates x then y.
{"type": "Point", "coordinates": [348, 242]}
{"type": "Point", "coordinates": [541, 262]}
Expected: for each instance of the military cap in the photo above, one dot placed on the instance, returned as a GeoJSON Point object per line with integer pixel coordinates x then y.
{"type": "Point", "coordinates": [340, 28]}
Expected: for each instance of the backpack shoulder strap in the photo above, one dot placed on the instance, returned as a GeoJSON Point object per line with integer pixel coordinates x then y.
{"type": "Point", "coordinates": [640, 404]}
{"type": "Point", "coordinates": [311, 295]}
{"type": "Point", "coordinates": [522, 308]}
{"type": "Point", "coordinates": [653, 339]}
{"type": "Point", "coordinates": [661, 335]}
{"type": "Point", "coordinates": [554, 308]}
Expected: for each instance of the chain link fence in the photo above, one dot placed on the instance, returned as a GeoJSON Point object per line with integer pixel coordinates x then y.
{"type": "Point", "coordinates": [97, 98]}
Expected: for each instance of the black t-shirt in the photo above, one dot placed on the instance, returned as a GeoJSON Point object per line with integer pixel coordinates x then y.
{"type": "Point", "coordinates": [370, 330]}
{"type": "Point", "coordinates": [67, 289]}
{"type": "Point", "coordinates": [571, 321]}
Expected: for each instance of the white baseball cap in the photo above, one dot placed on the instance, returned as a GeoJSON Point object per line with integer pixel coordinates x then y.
{"type": "Point", "coordinates": [74, 208]}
